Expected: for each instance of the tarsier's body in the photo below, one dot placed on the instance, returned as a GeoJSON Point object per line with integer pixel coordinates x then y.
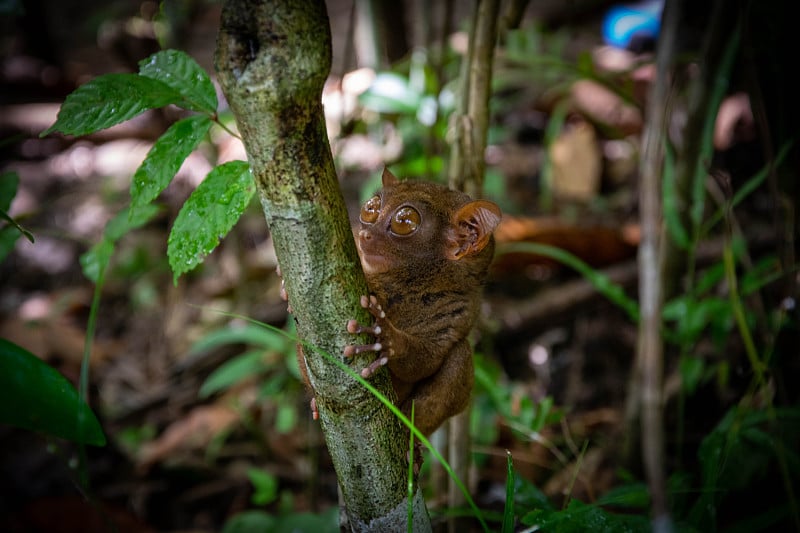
{"type": "Point", "coordinates": [425, 251]}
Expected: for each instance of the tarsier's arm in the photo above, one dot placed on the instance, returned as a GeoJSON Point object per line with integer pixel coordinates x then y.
{"type": "Point", "coordinates": [392, 344]}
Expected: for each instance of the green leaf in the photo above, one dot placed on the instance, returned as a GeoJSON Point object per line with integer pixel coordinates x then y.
{"type": "Point", "coordinates": [391, 93]}
{"type": "Point", "coordinates": [126, 221]}
{"type": "Point", "coordinates": [265, 484]}
{"type": "Point", "coordinates": [691, 369]}
{"type": "Point", "coordinates": [37, 397]}
{"type": "Point", "coordinates": [8, 237]}
{"type": "Point", "coordinates": [579, 517]}
{"type": "Point", "coordinates": [252, 334]}
{"type": "Point", "coordinates": [257, 521]}
{"type": "Point", "coordinates": [183, 74]}
{"type": "Point", "coordinates": [14, 224]}
{"type": "Point", "coordinates": [9, 181]}
{"type": "Point", "coordinates": [208, 215]}
{"type": "Point", "coordinates": [239, 368]}
{"type": "Point", "coordinates": [165, 159]}
{"type": "Point", "coordinates": [285, 418]}
{"type": "Point", "coordinates": [633, 495]}
{"type": "Point", "coordinates": [250, 522]}
{"type": "Point", "coordinates": [108, 100]}
{"type": "Point", "coordinates": [96, 259]}
{"type": "Point", "coordinates": [528, 497]}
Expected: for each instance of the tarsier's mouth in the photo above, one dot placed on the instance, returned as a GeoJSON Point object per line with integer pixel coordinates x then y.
{"type": "Point", "coordinates": [372, 263]}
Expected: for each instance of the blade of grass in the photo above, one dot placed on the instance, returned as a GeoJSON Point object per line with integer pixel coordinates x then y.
{"type": "Point", "coordinates": [600, 281]}
{"type": "Point", "coordinates": [508, 511]}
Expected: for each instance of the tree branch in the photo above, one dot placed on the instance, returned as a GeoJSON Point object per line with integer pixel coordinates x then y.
{"type": "Point", "coordinates": [272, 60]}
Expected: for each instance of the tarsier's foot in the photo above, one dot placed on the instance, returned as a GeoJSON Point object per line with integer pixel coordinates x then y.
{"type": "Point", "coordinates": [283, 293]}
{"type": "Point", "coordinates": [381, 346]}
{"type": "Point", "coordinates": [314, 412]}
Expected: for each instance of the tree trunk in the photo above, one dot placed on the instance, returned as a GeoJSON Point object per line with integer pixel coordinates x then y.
{"type": "Point", "coordinates": [272, 60]}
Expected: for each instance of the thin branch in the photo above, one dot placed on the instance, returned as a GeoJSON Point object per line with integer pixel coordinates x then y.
{"type": "Point", "coordinates": [650, 365]}
{"type": "Point", "coordinates": [471, 123]}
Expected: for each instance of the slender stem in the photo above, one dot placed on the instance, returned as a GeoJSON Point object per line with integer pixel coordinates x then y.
{"type": "Point", "coordinates": [648, 386]}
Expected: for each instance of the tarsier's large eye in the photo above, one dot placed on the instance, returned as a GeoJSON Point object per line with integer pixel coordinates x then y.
{"type": "Point", "coordinates": [405, 221]}
{"type": "Point", "coordinates": [370, 210]}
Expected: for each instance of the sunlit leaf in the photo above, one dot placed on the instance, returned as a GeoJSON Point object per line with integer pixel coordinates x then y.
{"type": "Point", "coordinates": [108, 100]}
{"type": "Point", "coordinates": [165, 159]}
{"type": "Point", "coordinates": [184, 75]}
{"type": "Point", "coordinates": [37, 397]}
{"type": "Point", "coordinates": [391, 93]}
{"type": "Point", "coordinates": [208, 215]}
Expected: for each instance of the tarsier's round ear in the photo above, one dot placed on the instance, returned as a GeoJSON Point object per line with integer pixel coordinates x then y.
{"type": "Point", "coordinates": [472, 227]}
{"type": "Point", "coordinates": [388, 178]}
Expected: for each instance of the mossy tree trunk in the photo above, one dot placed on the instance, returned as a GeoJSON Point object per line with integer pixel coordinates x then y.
{"type": "Point", "coordinates": [272, 60]}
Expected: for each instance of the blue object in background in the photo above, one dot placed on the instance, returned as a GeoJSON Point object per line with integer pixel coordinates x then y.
{"type": "Point", "coordinates": [633, 26]}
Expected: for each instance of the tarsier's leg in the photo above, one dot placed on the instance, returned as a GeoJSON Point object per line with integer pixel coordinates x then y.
{"type": "Point", "coordinates": [443, 394]}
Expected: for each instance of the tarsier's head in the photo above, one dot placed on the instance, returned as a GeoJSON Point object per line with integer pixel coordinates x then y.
{"type": "Point", "coordinates": [416, 224]}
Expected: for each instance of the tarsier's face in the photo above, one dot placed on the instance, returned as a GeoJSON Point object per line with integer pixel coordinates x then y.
{"type": "Point", "coordinates": [393, 231]}
{"type": "Point", "coordinates": [414, 225]}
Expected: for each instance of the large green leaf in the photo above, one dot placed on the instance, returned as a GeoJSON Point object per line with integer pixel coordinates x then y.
{"type": "Point", "coordinates": [208, 215]}
{"type": "Point", "coordinates": [183, 74]}
{"type": "Point", "coordinates": [165, 159]}
{"type": "Point", "coordinates": [108, 100]}
{"type": "Point", "coordinates": [37, 397]}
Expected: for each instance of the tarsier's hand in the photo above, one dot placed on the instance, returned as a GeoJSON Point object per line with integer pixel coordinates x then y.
{"type": "Point", "coordinates": [379, 329]}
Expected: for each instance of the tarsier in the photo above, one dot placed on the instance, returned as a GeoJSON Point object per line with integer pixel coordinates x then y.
{"type": "Point", "coordinates": [425, 251]}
